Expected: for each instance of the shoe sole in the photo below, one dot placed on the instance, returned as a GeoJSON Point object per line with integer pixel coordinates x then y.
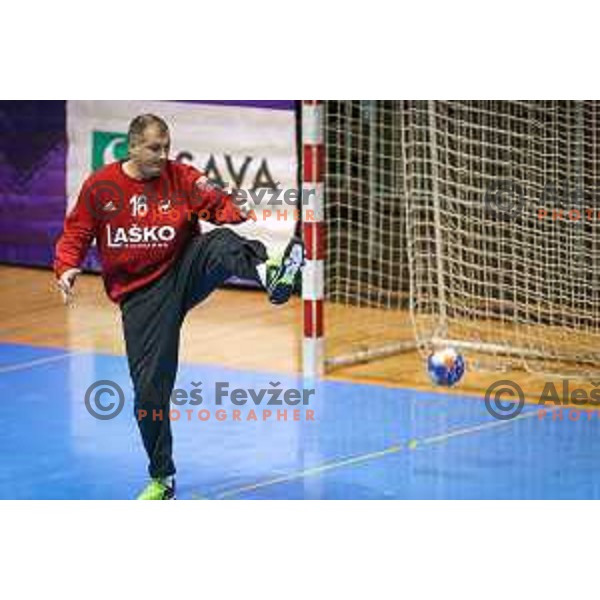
{"type": "Point", "coordinates": [293, 261]}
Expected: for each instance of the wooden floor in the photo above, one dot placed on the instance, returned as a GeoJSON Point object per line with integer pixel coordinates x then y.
{"type": "Point", "coordinates": [234, 328]}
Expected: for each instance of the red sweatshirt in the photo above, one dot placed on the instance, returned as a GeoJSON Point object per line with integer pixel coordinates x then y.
{"type": "Point", "coordinates": [141, 227]}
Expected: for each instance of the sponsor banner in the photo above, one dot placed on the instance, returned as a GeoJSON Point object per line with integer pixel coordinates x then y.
{"type": "Point", "coordinates": [249, 147]}
{"type": "Point", "coordinates": [47, 149]}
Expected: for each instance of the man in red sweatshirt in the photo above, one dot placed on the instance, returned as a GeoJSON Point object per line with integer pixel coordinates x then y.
{"type": "Point", "coordinates": [144, 214]}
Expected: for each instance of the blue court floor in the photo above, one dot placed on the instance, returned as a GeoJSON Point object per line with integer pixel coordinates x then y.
{"type": "Point", "coordinates": [364, 442]}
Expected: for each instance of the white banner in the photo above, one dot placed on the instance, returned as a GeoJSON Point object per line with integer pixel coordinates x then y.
{"type": "Point", "coordinates": [249, 148]}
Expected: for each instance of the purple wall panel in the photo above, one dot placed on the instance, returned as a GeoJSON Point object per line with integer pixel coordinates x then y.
{"type": "Point", "coordinates": [272, 104]}
{"type": "Point", "coordinates": [32, 179]}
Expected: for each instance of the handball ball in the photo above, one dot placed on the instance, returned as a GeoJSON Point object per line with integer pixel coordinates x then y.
{"type": "Point", "coordinates": [446, 367]}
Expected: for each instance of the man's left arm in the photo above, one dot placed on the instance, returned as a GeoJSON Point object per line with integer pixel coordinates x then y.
{"type": "Point", "coordinates": [217, 205]}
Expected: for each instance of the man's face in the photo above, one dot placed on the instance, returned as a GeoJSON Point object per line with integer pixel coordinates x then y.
{"type": "Point", "coordinates": [151, 151]}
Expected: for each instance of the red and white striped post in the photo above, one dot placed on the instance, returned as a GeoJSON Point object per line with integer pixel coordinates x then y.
{"type": "Point", "coordinates": [313, 169]}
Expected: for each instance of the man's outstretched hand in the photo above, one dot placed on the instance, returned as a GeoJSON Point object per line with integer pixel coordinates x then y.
{"type": "Point", "coordinates": [65, 285]}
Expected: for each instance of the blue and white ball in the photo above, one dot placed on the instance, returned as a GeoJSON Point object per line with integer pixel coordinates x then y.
{"type": "Point", "coordinates": [446, 367]}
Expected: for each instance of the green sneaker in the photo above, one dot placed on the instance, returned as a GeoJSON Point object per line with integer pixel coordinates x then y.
{"type": "Point", "coordinates": [283, 273]}
{"type": "Point", "coordinates": [157, 489]}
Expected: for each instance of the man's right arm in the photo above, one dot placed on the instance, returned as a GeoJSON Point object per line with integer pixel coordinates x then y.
{"type": "Point", "coordinates": [72, 246]}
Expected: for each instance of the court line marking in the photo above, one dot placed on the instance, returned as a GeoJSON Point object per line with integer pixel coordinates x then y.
{"type": "Point", "coordinates": [361, 458]}
{"type": "Point", "coordinates": [36, 362]}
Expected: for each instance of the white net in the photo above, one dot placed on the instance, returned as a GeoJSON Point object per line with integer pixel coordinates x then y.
{"type": "Point", "coordinates": [473, 223]}
{"type": "Point", "coordinates": [366, 271]}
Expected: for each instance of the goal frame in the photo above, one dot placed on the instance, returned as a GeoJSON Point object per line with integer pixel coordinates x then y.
{"type": "Point", "coordinates": [312, 157]}
{"type": "Point", "coordinates": [313, 289]}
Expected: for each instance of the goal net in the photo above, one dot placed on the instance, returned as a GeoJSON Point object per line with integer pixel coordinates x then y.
{"type": "Point", "coordinates": [471, 223]}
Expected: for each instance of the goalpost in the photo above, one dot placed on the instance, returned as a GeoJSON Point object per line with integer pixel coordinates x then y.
{"type": "Point", "coordinates": [470, 223]}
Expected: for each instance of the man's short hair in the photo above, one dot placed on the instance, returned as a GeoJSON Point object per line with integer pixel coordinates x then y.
{"type": "Point", "coordinates": [141, 123]}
